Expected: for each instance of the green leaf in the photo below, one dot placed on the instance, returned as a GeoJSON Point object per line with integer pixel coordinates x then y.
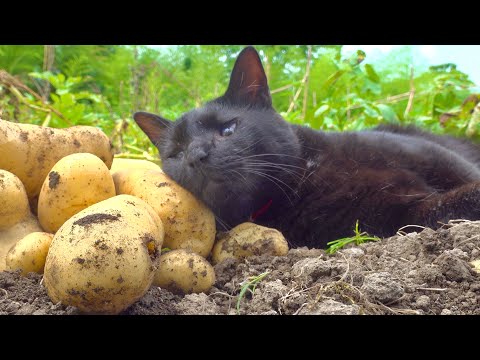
{"type": "Point", "coordinates": [370, 111]}
{"type": "Point", "coordinates": [332, 79]}
{"type": "Point", "coordinates": [55, 98]}
{"type": "Point", "coordinates": [388, 113]}
{"type": "Point", "coordinates": [249, 285]}
{"type": "Point", "coordinates": [321, 110]}
{"type": "Point", "coordinates": [372, 75]}
{"type": "Point", "coordinates": [371, 86]}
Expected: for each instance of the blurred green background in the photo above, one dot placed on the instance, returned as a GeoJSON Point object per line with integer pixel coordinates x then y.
{"type": "Point", "coordinates": [324, 87]}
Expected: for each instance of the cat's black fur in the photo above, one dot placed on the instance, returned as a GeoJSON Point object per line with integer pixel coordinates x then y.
{"type": "Point", "coordinates": [238, 155]}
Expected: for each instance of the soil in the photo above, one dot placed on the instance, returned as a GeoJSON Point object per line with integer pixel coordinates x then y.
{"type": "Point", "coordinates": [429, 272]}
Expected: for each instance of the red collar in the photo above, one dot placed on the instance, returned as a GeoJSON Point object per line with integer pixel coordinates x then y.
{"type": "Point", "coordinates": [261, 211]}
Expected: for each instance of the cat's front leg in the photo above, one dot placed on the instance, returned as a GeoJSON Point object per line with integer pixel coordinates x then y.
{"type": "Point", "coordinates": [460, 203]}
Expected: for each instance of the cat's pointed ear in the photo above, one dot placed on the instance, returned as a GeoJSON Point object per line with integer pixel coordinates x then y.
{"type": "Point", "coordinates": [248, 82]}
{"type": "Point", "coordinates": [152, 125]}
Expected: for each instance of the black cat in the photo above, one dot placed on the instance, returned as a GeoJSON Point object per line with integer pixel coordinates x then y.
{"type": "Point", "coordinates": [246, 162]}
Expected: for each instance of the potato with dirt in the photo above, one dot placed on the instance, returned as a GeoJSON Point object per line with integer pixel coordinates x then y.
{"type": "Point", "coordinates": [29, 253]}
{"type": "Point", "coordinates": [104, 258]}
{"type": "Point", "coordinates": [249, 239]}
{"type": "Point", "coordinates": [30, 151]}
{"type": "Point", "coordinates": [16, 220]}
{"type": "Point", "coordinates": [74, 183]}
{"type": "Point", "coordinates": [184, 272]}
{"type": "Point", "coordinates": [189, 224]}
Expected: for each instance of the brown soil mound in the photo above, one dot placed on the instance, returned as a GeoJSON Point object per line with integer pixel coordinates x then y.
{"type": "Point", "coordinates": [425, 273]}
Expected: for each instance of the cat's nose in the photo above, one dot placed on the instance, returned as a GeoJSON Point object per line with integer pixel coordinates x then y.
{"type": "Point", "coordinates": [195, 156]}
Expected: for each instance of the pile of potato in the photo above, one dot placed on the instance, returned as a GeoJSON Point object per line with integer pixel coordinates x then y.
{"type": "Point", "coordinates": [104, 230]}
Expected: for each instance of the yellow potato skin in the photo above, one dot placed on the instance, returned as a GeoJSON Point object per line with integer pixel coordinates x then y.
{"type": "Point", "coordinates": [30, 151]}
{"type": "Point", "coordinates": [104, 258]}
{"type": "Point", "coordinates": [184, 272]}
{"type": "Point", "coordinates": [249, 239]}
{"type": "Point", "coordinates": [189, 224]}
{"type": "Point", "coordinates": [73, 184]}
{"type": "Point", "coordinates": [476, 265]}
{"type": "Point", "coordinates": [13, 200]}
{"type": "Point", "coordinates": [29, 253]}
{"type": "Point", "coordinates": [123, 164]}
{"type": "Point", "coordinates": [11, 236]}
{"type": "Point", "coordinates": [16, 220]}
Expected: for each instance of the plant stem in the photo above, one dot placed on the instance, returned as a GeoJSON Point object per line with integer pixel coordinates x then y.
{"type": "Point", "coordinates": [411, 94]}
{"type": "Point", "coordinates": [307, 77]}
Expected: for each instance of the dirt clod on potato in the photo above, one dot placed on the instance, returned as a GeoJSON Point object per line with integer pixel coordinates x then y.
{"type": "Point", "coordinates": [150, 244]}
{"type": "Point", "coordinates": [53, 179]}
{"type": "Point", "coordinates": [96, 219]}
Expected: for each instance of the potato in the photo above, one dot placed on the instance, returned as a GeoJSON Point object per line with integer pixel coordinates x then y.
{"type": "Point", "coordinates": [476, 265]}
{"type": "Point", "coordinates": [184, 272]}
{"type": "Point", "coordinates": [104, 258]}
{"type": "Point", "coordinates": [16, 220]}
{"type": "Point", "coordinates": [249, 239]}
{"type": "Point", "coordinates": [189, 224]}
{"type": "Point", "coordinates": [122, 164]}
{"type": "Point", "coordinates": [29, 253]}
{"type": "Point", "coordinates": [11, 236]}
{"type": "Point", "coordinates": [74, 183]}
{"type": "Point", "coordinates": [13, 199]}
{"type": "Point", "coordinates": [30, 151]}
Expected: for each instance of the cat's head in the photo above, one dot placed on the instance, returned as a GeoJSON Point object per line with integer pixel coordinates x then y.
{"type": "Point", "coordinates": [236, 153]}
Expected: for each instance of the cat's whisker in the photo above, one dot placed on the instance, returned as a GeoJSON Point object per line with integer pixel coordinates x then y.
{"type": "Point", "coordinates": [274, 154]}
{"type": "Point", "coordinates": [296, 170]}
{"type": "Point", "coordinates": [247, 147]}
{"type": "Point", "coordinates": [272, 168]}
{"type": "Point", "coordinates": [277, 182]}
{"type": "Point", "coordinates": [277, 185]}
{"type": "Point", "coordinates": [280, 164]}
{"type": "Point", "coordinates": [311, 148]}
{"type": "Point", "coordinates": [242, 177]}
{"type": "Point", "coordinates": [222, 223]}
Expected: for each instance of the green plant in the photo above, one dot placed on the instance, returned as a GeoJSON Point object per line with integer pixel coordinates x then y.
{"type": "Point", "coordinates": [80, 107]}
{"type": "Point", "coordinates": [249, 285]}
{"type": "Point", "coordinates": [165, 250]}
{"type": "Point", "coordinates": [102, 85]}
{"type": "Point", "coordinates": [359, 238]}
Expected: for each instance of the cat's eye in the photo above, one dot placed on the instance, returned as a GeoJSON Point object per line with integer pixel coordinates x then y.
{"type": "Point", "coordinates": [228, 128]}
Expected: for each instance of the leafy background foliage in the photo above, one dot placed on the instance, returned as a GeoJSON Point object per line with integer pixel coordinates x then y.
{"type": "Point", "coordinates": [103, 85]}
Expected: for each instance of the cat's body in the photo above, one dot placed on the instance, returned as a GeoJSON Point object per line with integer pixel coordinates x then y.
{"type": "Point", "coordinates": [383, 177]}
{"type": "Point", "coordinates": [246, 163]}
